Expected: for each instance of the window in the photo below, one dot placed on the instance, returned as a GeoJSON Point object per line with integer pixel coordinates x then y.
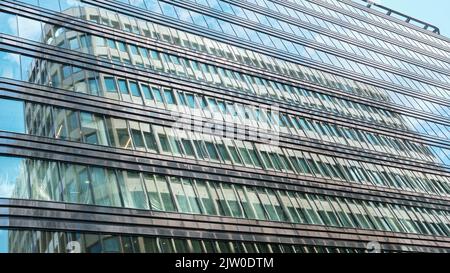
{"type": "Point", "coordinates": [245, 202]}
{"type": "Point", "coordinates": [110, 85]}
{"type": "Point", "coordinates": [134, 89]}
{"type": "Point", "coordinates": [104, 187]}
{"type": "Point", "coordinates": [157, 94]}
{"type": "Point", "coordinates": [111, 244]}
{"type": "Point", "coordinates": [168, 10]}
{"type": "Point", "coordinates": [13, 178]}
{"type": "Point", "coordinates": [147, 93]}
{"type": "Point", "coordinates": [276, 204]}
{"type": "Point", "coordinates": [267, 204]}
{"type": "Point", "coordinates": [12, 116]}
{"type": "Point", "coordinates": [169, 96]}
{"type": "Point", "coordinates": [29, 29]}
{"type": "Point", "coordinates": [112, 44]}
{"type": "Point", "coordinates": [188, 148]}
{"type": "Point", "coordinates": [44, 180]}
{"type": "Point", "coordinates": [206, 200]}
{"type": "Point", "coordinates": [132, 190]}
{"type": "Point", "coordinates": [152, 192]}
{"type": "Point", "coordinates": [9, 25]}
{"type": "Point", "coordinates": [165, 245]}
{"type": "Point", "coordinates": [164, 191]}
{"type": "Point", "coordinates": [93, 86]}
{"type": "Point", "coordinates": [10, 65]}
{"type": "Point", "coordinates": [76, 184]}
{"type": "Point", "coordinates": [232, 200]}
{"type": "Point", "coordinates": [163, 140]}
{"type": "Point", "coordinates": [67, 124]}
{"type": "Point", "coordinates": [73, 43]}
{"type": "Point", "coordinates": [234, 154]}
{"type": "Point", "coordinates": [180, 195]}
{"type": "Point", "coordinates": [67, 71]}
{"type": "Point", "coordinates": [136, 133]}
{"type": "Point", "coordinates": [93, 129]}
{"type": "Point", "coordinates": [223, 152]}
{"type": "Point", "coordinates": [118, 133]}
{"type": "Point", "coordinates": [149, 138]}
{"type": "Point", "coordinates": [212, 150]}
{"type": "Point", "coordinates": [123, 87]}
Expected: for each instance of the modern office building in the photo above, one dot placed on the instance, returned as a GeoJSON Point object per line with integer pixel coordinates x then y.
{"type": "Point", "coordinates": [222, 126]}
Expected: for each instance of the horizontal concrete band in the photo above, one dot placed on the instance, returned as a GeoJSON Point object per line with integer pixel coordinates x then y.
{"type": "Point", "coordinates": [45, 215]}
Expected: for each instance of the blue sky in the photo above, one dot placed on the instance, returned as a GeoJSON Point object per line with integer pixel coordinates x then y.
{"type": "Point", "coordinates": [435, 12]}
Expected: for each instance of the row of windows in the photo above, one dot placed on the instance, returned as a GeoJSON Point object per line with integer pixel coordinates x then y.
{"type": "Point", "coordinates": [27, 68]}
{"type": "Point", "coordinates": [218, 25]}
{"type": "Point", "coordinates": [106, 17]}
{"type": "Point", "coordinates": [70, 39]}
{"type": "Point", "coordinates": [378, 19]}
{"type": "Point", "coordinates": [103, 130]}
{"type": "Point", "coordinates": [340, 44]}
{"type": "Point", "coordinates": [70, 183]}
{"type": "Point", "coordinates": [351, 33]}
{"type": "Point", "coordinates": [39, 241]}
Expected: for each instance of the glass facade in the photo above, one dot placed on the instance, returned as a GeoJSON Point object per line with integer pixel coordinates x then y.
{"type": "Point", "coordinates": [70, 183]}
{"type": "Point", "coordinates": [85, 127]}
{"type": "Point", "coordinates": [40, 241]}
{"type": "Point", "coordinates": [324, 114]}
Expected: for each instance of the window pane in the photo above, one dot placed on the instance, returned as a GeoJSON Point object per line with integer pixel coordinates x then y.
{"type": "Point", "coordinates": [165, 245]}
{"type": "Point", "coordinates": [150, 245]}
{"type": "Point", "coordinates": [13, 178]}
{"type": "Point", "coordinates": [10, 65]}
{"type": "Point", "coordinates": [29, 29]}
{"type": "Point", "coordinates": [110, 84]}
{"type": "Point", "coordinates": [118, 133]}
{"type": "Point", "coordinates": [177, 188]}
{"type": "Point", "coordinates": [257, 205]}
{"type": "Point", "coordinates": [138, 140]}
{"type": "Point", "coordinates": [9, 23]}
{"type": "Point", "coordinates": [123, 87]}
{"type": "Point", "coordinates": [76, 184]}
{"type": "Point", "coordinates": [232, 200]}
{"type": "Point", "coordinates": [44, 180]}
{"type": "Point", "coordinates": [104, 187]}
{"type": "Point", "coordinates": [111, 244]}
{"type": "Point", "coordinates": [93, 129]}
{"type": "Point", "coordinates": [12, 116]}
{"type": "Point", "coordinates": [205, 197]}
{"type": "Point", "coordinates": [164, 191]}
{"type": "Point", "coordinates": [152, 191]}
{"type": "Point", "coordinates": [134, 89]}
{"type": "Point", "coordinates": [132, 190]}
{"type": "Point", "coordinates": [149, 138]}
{"type": "Point", "coordinates": [191, 195]}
